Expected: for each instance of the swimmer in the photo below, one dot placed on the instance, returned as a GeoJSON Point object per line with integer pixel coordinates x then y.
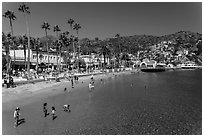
{"type": "Point", "coordinates": [91, 86]}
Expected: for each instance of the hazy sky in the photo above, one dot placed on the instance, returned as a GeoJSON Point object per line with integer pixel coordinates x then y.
{"type": "Point", "coordinates": [104, 19]}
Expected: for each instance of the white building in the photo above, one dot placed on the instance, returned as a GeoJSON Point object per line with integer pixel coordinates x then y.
{"type": "Point", "coordinates": [94, 59]}
{"type": "Point", "coordinates": [42, 58]}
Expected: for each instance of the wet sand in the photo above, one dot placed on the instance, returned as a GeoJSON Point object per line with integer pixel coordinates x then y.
{"type": "Point", "coordinates": [118, 105]}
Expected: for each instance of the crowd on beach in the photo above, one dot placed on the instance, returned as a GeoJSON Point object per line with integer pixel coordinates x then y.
{"type": "Point", "coordinates": [67, 76]}
{"type": "Point", "coordinates": [19, 76]}
{"type": "Point", "coordinates": [52, 112]}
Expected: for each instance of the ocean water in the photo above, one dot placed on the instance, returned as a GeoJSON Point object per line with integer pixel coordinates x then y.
{"type": "Point", "coordinates": [147, 103]}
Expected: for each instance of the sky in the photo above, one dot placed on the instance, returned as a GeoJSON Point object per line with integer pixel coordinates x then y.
{"type": "Point", "coordinates": [105, 19]}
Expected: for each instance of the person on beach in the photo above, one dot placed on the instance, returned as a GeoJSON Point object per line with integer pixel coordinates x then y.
{"type": "Point", "coordinates": [74, 78]}
{"type": "Point", "coordinates": [53, 113]}
{"type": "Point", "coordinates": [92, 77]}
{"type": "Point", "coordinates": [77, 79]}
{"type": "Point", "coordinates": [67, 108]}
{"type": "Point", "coordinates": [72, 82]}
{"type": "Point", "coordinates": [45, 109]}
{"type": "Point", "coordinates": [11, 82]}
{"type": "Point", "coordinates": [16, 116]}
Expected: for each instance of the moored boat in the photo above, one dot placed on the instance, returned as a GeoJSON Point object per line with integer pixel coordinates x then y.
{"type": "Point", "coordinates": [190, 66]}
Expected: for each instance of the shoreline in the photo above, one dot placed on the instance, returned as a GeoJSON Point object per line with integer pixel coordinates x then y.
{"type": "Point", "coordinates": [46, 88]}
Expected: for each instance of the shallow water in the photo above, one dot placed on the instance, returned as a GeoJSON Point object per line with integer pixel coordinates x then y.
{"type": "Point", "coordinates": [142, 103]}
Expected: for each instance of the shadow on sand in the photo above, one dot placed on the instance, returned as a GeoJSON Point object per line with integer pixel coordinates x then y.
{"type": "Point", "coordinates": [21, 121]}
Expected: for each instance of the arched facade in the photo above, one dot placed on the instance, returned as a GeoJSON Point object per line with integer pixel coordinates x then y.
{"type": "Point", "coordinates": [143, 65]}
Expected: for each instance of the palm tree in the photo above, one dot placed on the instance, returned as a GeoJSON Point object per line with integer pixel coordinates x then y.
{"type": "Point", "coordinates": [77, 27]}
{"type": "Point", "coordinates": [71, 22]}
{"type": "Point", "coordinates": [25, 9]}
{"type": "Point", "coordinates": [6, 40]}
{"type": "Point", "coordinates": [46, 27]}
{"type": "Point", "coordinates": [56, 29]}
{"type": "Point", "coordinates": [105, 51]}
{"type": "Point", "coordinates": [10, 15]}
{"type": "Point", "coordinates": [37, 45]}
{"type": "Point", "coordinates": [64, 40]}
{"type": "Point", "coordinates": [24, 41]}
{"type": "Point", "coordinates": [59, 48]}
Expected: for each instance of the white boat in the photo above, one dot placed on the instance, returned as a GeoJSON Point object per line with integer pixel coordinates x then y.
{"type": "Point", "coordinates": [190, 66]}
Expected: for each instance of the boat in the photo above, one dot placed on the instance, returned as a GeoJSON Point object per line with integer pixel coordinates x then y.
{"type": "Point", "coordinates": [190, 66]}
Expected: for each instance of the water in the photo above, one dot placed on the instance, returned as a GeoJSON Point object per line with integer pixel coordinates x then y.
{"type": "Point", "coordinates": [146, 103]}
{"type": "Point", "coordinates": [171, 103]}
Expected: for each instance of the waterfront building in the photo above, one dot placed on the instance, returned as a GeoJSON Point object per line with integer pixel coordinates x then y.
{"type": "Point", "coordinates": [170, 66]}
{"type": "Point", "coordinates": [42, 59]}
{"type": "Point", "coordinates": [94, 60]}
{"type": "Point", "coordinates": [148, 64]}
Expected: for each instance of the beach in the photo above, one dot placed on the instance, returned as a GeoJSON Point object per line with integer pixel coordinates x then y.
{"type": "Point", "coordinates": [139, 104]}
{"type": "Point", "coordinates": [26, 95]}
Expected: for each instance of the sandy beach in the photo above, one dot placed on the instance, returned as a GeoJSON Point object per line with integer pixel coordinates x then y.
{"type": "Point", "coordinates": [30, 97]}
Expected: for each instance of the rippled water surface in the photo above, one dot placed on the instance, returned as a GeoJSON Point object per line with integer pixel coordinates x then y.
{"type": "Point", "coordinates": [148, 103]}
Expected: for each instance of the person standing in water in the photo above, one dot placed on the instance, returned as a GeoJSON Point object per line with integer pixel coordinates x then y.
{"type": "Point", "coordinates": [91, 86]}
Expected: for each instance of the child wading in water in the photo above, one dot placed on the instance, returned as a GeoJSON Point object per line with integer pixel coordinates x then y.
{"type": "Point", "coordinates": [16, 116]}
{"type": "Point", "coordinates": [45, 109]}
{"type": "Point", "coordinates": [91, 86]}
{"type": "Point", "coordinates": [53, 113]}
